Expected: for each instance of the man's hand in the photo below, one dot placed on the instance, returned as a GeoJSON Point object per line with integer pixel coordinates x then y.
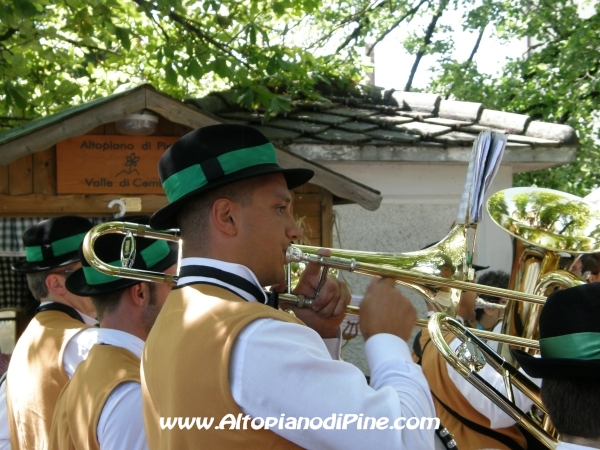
{"type": "Point", "coordinates": [329, 308]}
{"type": "Point", "coordinates": [385, 310]}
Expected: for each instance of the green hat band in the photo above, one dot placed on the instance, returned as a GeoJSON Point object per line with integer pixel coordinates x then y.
{"type": "Point", "coordinates": [572, 346]}
{"type": "Point", "coordinates": [193, 177]}
{"type": "Point", "coordinates": [60, 247]}
{"type": "Point", "coordinates": [152, 255]}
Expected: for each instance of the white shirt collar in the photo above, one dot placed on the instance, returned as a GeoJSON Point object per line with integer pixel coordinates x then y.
{"type": "Point", "coordinates": [122, 339]}
{"type": "Point", "coordinates": [86, 319]}
{"type": "Point", "coordinates": [565, 446]}
{"type": "Point", "coordinates": [236, 269]}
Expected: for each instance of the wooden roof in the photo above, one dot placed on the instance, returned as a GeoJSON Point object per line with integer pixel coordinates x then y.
{"type": "Point", "coordinates": [45, 132]}
{"type": "Point", "coordinates": [400, 126]}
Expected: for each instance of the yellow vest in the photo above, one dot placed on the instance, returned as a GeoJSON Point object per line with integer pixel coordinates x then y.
{"type": "Point", "coordinates": [435, 370]}
{"type": "Point", "coordinates": [36, 377]}
{"type": "Point", "coordinates": [185, 369]}
{"type": "Point", "coordinates": [82, 400]}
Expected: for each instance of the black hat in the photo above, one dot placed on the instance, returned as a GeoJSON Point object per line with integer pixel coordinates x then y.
{"type": "Point", "coordinates": [153, 255]}
{"type": "Point", "coordinates": [569, 336]}
{"type": "Point", "coordinates": [215, 156]}
{"type": "Point", "coordinates": [52, 243]}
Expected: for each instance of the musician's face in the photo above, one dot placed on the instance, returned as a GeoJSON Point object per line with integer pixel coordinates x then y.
{"type": "Point", "coordinates": [267, 227]}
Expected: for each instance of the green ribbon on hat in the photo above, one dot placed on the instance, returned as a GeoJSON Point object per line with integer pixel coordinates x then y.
{"type": "Point", "coordinates": [193, 177]}
{"type": "Point", "coordinates": [59, 247]}
{"type": "Point", "coordinates": [584, 346]}
{"type": "Point", "coordinates": [152, 255]}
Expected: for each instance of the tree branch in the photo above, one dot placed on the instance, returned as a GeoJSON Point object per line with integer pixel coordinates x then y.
{"type": "Point", "coordinates": [8, 34]}
{"type": "Point", "coordinates": [91, 47]}
{"type": "Point", "coordinates": [412, 12]}
{"type": "Point", "coordinates": [426, 42]}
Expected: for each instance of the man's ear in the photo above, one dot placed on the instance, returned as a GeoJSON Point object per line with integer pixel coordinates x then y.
{"type": "Point", "coordinates": [224, 215]}
{"type": "Point", "coordinates": [55, 282]}
{"type": "Point", "coordinates": [139, 293]}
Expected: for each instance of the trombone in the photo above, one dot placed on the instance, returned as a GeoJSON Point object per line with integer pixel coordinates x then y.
{"type": "Point", "coordinates": [410, 278]}
{"type": "Point", "coordinates": [471, 356]}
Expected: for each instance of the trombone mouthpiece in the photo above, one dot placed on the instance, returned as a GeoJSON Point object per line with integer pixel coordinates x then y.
{"type": "Point", "coordinates": [293, 254]}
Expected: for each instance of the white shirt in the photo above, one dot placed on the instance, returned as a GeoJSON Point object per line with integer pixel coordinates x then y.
{"type": "Point", "coordinates": [497, 417]}
{"type": "Point", "coordinates": [284, 368]}
{"type": "Point", "coordinates": [121, 423]}
{"type": "Point", "coordinates": [564, 446]}
{"type": "Point", "coordinates": [76, 351]}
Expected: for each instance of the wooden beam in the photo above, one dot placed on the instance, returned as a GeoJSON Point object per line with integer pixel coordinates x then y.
{"type": "Point", "coordinates": [3, 179]}
{"type": "Point", "coordinates": [20, 176]}
{"type": "Point", "coordinates": [44, 138]}
{"type": "Point", "coordinates": [38, 205]}
{"type": "Point", "coordinates": [44, 172]}
{"type": "Point", "coordinates": [177, 112]}
{"type": "Point", "coordinates": [335, 183]}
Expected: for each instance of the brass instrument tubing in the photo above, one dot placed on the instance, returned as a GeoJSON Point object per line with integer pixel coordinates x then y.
{"type": "Point", "coordinates": [384, 270]}
{"type": "Point", "coordinates": [439, 321]}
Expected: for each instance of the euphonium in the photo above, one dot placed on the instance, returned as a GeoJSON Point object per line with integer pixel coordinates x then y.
{"type": "Point", "coordinates": [550, 228]}
{"type": "Point", "coordinates": [547, 226]}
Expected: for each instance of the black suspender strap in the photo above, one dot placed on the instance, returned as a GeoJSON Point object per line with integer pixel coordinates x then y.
{"type": "Point", "coordinates": [504, 439]}
{"type": "Point", "coordinates": [227, 277]}
{"type": "Point", "coordinates": [69, 311]}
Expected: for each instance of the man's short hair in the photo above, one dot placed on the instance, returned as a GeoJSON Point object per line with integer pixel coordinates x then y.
{"type": "Point", "coordinates": [37, 280]}
{"type": "Point", "coordinates": [590, 263]}
{"type": "Point", "coordinates": [107, 302]}
{"type": "Point", "coordinates": [37, 284]}
{"type": "Point", "coordinates": [573, 406]}
{"type": "Point", "coordinates": [495, 278]}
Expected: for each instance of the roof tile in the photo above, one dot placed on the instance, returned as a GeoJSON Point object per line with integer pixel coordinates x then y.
{"type": "Point", "coordinates": [452, 109]}
{"type": "Point", "coordinates": [513, 123]}
{"type": "Point", "coordinates": [299, 126]}
{"type": "Point", "coordinates": [554, 131]}
{"type": "Point", "coordinates": [277, 134]}
{"type": "Point", "coordinates": [417, 101]}
{"type": "Point", "coordinates": [455, 124]}
{"type": "Point", "coordinates": [358, 127]}
{"type": "Point", "coordinates": [388, 121]}
{"type": "Point", "coordinates": [327, 119]}
{"type": "Point", "coordinates": [423, 129]}
{"type": "Point", "coordinates": [353, 112]}
{"type": "Point", "coordinates": [456, 138]}
{"type": "Point", "coordinates": [396, 136]}
{"type": "Point", "coordinates": [334, 136]}
{"type": "Point", "coordinates": [532, 140]}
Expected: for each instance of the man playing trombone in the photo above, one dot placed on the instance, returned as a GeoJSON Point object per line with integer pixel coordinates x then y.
{"type": "Point", "coordinates": [219, 350]}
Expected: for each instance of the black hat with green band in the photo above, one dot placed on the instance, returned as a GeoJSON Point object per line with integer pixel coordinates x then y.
{"type": "Point", "coordinates": [569, 336]}
{"type": "Point", "coordinates": [52, 243]}
{"type": "Point", "coordinates": [215, 156]}
{"type": "Point", "coordinates": [151, 254]}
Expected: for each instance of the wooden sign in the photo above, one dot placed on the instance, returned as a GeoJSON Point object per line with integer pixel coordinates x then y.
{"type": "Point", "coordinates": [107, 164]}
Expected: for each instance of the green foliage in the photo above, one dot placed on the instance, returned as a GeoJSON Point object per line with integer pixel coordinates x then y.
{"type": "Point", "coordinates": [57, 53]}
{"type": "Point", "coordinates": [558, 81]}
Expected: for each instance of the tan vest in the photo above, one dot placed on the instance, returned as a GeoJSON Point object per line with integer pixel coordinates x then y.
{"type": "Point", "coordinates": [436, 372]}
{"type": "Point", "coordinates": [185, 369]}
{"type": "Point", "coordinates": [82, 400]}
{"type": "Point", "coordinates": [36, 377]}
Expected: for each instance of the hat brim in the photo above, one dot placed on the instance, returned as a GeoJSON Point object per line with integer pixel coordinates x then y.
{"type": "Point", "coordinates": [76, 283]}
{"type": "Point", "coordinates": [24, 266]}
{"type": "Point", "coordinates": [557, 368]}
{"type": "Point", "coordinates": [164, 218]}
